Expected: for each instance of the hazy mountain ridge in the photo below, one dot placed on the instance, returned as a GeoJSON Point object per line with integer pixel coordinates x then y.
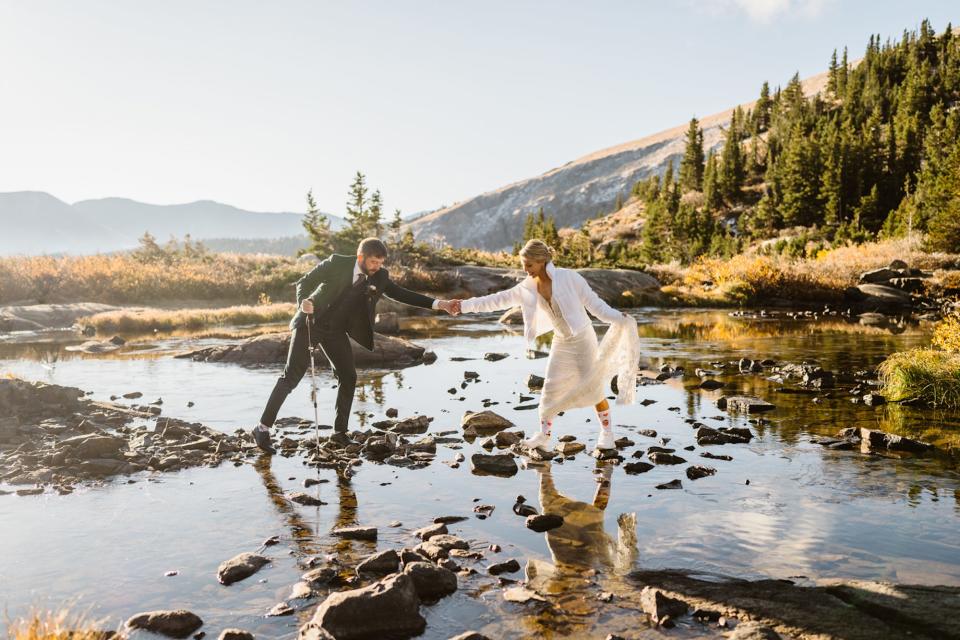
{"type": "Point", "coordinates": [573, 192]}
{"type": "Point", "coordinates": [35, 222]}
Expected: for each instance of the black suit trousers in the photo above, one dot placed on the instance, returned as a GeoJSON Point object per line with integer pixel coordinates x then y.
{"type": "Point", "coordinates": [336, 346]}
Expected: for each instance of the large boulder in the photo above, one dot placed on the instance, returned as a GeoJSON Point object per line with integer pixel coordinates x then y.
{"type": "Point", "coordinates": [271, 349]}
{"type": "Point", "coordinates": [879, 296]}
{"type": "Point", "coordinates": [484, 422]}
{"type": "Point", "coordinates": [612, 284]}
{"type": "Point", "coordinates": [502, 465]}
{"type": "Point", "coordinates": [48, 316]}
{"type": "Point", "coordinates": [430, 581]}
{"type": "Point", "coordinates": [389, 608]}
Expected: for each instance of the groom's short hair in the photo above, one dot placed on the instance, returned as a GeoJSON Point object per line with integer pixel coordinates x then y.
{"type": "Point", "coordinates": [372, 248]}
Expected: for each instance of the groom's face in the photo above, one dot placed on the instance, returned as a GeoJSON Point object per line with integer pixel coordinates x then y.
{"type": "Point", "coordinates": [370, 264]}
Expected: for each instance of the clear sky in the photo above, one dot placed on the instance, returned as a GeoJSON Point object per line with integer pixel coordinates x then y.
{"type": "Point", "coordinates": [253, 103]}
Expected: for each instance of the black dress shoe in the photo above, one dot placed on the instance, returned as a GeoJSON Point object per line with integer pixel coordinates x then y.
{"type": "Point", "coordinates": [262, 438]}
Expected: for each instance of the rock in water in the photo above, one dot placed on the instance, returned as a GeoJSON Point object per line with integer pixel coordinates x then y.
{"type": "Point", "coordinates": [306, 499]}
{"type": "Point", "coordinates": [385, 609]}
{"type": "Point", "coordinates": [509, 566]}
{"type": "Point", "coordinates": [695, 472]}
{"type": "Point", "coordinates": [544, 522]}
{"type": "Point", "coordinates": [659, 605]}
{"type": "Point", "coordinates": [748, 630]}
{"type": "Point", "coordinates": [637, 467]}
{"type": "Point", "coordinates": [502, 465]}
{"type": "Point", "coordinates": [355, 533]}
{"type": "Point", "coordinates": [534, 382]}
{"type": "Point", "coordinates": [382, 563]}
{"type": "Point", "coordinates": [658, 457]}
{"type": "Point", "coordinates": [747, 404]}
{"type": "Point", "coordinates": [430, 581]}
{"type": "Point", "coordinates": [485, 422]}
{"type": "Point", "coordinates": [240, 567]}
{"type": "Point", "coordinates": [179, 623]}
{"type": "Point", "coordinates": [235, 634]}
{"type": "Point", "coordinates": [673, 484]}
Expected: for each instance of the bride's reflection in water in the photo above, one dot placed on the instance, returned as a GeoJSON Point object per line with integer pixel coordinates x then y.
{"type": "Point", "coordinates": [586, 560]}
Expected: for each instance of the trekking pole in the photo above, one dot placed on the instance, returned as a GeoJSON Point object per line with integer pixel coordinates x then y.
{"type": "Point", "coordinates": [313, 385]}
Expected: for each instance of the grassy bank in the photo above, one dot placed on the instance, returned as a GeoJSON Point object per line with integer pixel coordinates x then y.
{"type": "Point", "coordinates": [55, 625]}
{"type": "Point", "coordinates": [931, 375]}
{"type": "Point", "coordinates": [756, 278]}
{"type": "Point", "coordinates": [149, 320]}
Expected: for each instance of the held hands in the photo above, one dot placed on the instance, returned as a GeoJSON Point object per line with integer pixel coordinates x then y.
{"type": "Point", "coordinates": [307, 305]}
{"type": "Point", "coordinates": [450, 306]}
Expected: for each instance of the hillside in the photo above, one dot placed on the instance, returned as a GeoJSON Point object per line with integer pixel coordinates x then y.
{"type": "Point", "coordinates": [573, 192]}
{"type": "Point", "coordinates": [35, 222]}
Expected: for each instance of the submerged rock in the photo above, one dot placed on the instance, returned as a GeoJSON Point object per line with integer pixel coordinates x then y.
{"type": "Point", "coordinates": [544, 522]}
{"type": "Point", "coordinates": [659, 605]}
{"type": "Point", "coordinates": [502, 465]}
{"type": "Point", "coordinates": [695, 472]}
{"type": "Point", "coordinates": [355, 533]}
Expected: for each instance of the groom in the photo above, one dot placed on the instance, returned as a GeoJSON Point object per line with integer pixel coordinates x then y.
{"type": "Point", "coordinates": [339, 298]}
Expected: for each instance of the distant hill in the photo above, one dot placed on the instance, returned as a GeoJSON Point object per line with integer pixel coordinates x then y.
{"type": "Point", "coordinates": [288, 246]}
{"type": "Point", "coordinates": [35, 222]}
{"type": "Point", "coordinates": [574, 192]}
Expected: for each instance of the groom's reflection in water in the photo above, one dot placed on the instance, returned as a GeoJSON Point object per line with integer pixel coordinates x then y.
{"type": "Point", "coordinates": [305, 535]}
{"type": "Point", "coordinates": [586, 559]}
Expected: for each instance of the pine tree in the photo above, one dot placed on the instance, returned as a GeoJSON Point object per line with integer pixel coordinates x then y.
{"type": "Point", "coordinates": [712, 197]}
{"type": "Point", "coordinates": [317, 227]}
{"type": "Point", "coordinates": [691, 166]}
{"type": "Point", "coordinates": [357, 215]}
{"type": "Point", "coordinates": [731, 171]}
{"type": "Point", "coordinates": [799, 181]}
{"type": "Point", "coordinates": [374, 221]}
{"type": "Point", "coordinates": [396, 224]}
{"type": "Point", "coordinates": [833, 75]}
{"type": "Point", "coordinates": [762, 108]}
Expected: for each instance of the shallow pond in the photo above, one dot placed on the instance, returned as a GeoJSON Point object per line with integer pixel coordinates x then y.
{"type": "Point", "coordinates": [807, 512]}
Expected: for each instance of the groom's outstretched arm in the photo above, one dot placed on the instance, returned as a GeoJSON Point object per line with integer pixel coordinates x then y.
{"type": "Point", "coordinates": [412, 298]}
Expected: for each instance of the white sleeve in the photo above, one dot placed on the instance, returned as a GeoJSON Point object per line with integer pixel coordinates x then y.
{"type": "Point", "coordinates": [495, 301]}
{"type": "Point", "coordinates": [594, 304]}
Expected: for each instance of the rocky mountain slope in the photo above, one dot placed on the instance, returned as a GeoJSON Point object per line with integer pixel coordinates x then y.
{"type": "Point", "coordinates": [573, 192]}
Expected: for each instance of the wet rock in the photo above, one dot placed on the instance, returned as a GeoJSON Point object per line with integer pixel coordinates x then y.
{"type": "Point", "coordinates": [381, 563]}
{"type": "Point", "coordinates": [544, 522]}
{"type": "Point", "coordinates": [710, 384]}
{"type": "Point", "coordinates": [240, 567]}
{"type": "Point", "coordinates": [430, 581]}
{"type": "Point", "coordinates": [280, 609]}
{"type": "Point", "coordinates": [714, 456]}
{"type": "Point", "coordinates": [673, 484]}
{"type": "Point", "coordinates": [534, 382]}
{"type": "Point", "coordinates": [637, 467]}
{"type": "Point", "coordinates": [306, 499]}
{"type": "Point", "coordinates": [391, 412]}
{"type": "Point", "coordinates": [484, 422]}
{"type": "Point", "coordinates": [387, 322]}
{"type": "Point", "coordinates": [301, 591]}
{"type": "Point", "coordinates": [178, 623]}
{"type": "Point", "coordinates": [873, 399]}
{"type": "Point", "coordinates": [521, 508]}
{"type": "Point", "coordinates": [320, 577]}
{"type": "Point", "coordinates": [747, 404]}
{"type": "Point", "coordinates": [508, 566]}
{"type": "Point", "coordinates": [658, 605]}
{"type": "Point", "coordinates": [570, 448]}
{"type": "Point", "coordinates": [709, 436]}
{"type": "Point", "coordinates": [408, 426]}
{"type": "Point", "coordinates": [695, 472]}
{"type": "Point", "coordinates": [502, 465]}
{"type": "Point", "coordinates": [656, 449]}
{"type": "Point", "coordinates": [355, 533]}
{"type": "Point", "coordinates": [507, 438]}
{"type": "Point", "coordinates": [432, 530]}
{"type": "Point", "coordinates": [449, 519]}
{"type": "Point", "coordinates": [93, 445]}
{"type": "Point", "coordinates": [665, 458]}
{"type": "Point", "coordinates": [386, 609]}
{"type": "Point", "coordinates": [494, 357]}
{"type": "Point", "coordinates": [521, 595]}
{"type": "Point", "coordinates": [235, 634]}
{"type": "Point", "coordinates": [873, 439]}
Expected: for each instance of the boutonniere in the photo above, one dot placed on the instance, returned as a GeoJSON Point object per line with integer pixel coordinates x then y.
{"type": "Point", "coordinates": [372, 290]}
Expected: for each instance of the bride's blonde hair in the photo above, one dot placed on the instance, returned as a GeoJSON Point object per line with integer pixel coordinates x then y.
{"type": "Point", "coordinates": [537, 250]}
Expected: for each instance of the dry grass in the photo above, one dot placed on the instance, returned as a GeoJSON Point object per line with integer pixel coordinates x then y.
{"type": "Point", "coordinates": [148, 320]}
{"type": "Point", "coordinates": [420, 278]}
{"type": "Point", "coordinates": [55, 625]}
{"type": "Point", "coordinates": [928, 374]}
{"type": "Point", "coordinates": [752, 277]}
{"type": "Point", "coordinates": [123, 278]}
{"type": "Point", "coordinates": [946, 335]}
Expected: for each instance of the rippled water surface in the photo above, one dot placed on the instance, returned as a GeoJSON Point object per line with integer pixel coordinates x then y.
{"type": "Point", "coordinates": [806, 513]}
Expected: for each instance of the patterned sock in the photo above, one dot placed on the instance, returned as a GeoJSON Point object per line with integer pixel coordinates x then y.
{"type": "Point", "coordinates": [604, 418]}
{"type": "Point", "coordinates": [546, 425]}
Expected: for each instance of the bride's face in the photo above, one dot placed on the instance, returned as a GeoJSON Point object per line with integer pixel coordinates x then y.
{"type": "Point", "coordinates": [533, 268]}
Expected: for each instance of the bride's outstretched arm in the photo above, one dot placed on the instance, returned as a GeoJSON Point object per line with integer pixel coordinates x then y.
{"type": "Point", "coordinates": [493, 302]}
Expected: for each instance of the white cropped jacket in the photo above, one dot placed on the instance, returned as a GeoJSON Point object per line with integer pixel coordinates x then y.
{"type": "Point", "coordinates": [571, 291]}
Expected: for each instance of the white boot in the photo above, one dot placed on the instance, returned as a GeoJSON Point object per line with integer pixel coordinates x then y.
{"type": "Point", "coordinates": [540, 440]}
{"type": "Point", "coordinates": [605, 439]}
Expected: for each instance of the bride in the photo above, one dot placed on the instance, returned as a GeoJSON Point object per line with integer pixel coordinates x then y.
{"type": "Point", "coordinates": [578, 369]}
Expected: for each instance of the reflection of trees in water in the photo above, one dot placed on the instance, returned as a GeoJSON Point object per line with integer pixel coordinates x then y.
{"type": "Point", "coordinates": [585, 558]}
